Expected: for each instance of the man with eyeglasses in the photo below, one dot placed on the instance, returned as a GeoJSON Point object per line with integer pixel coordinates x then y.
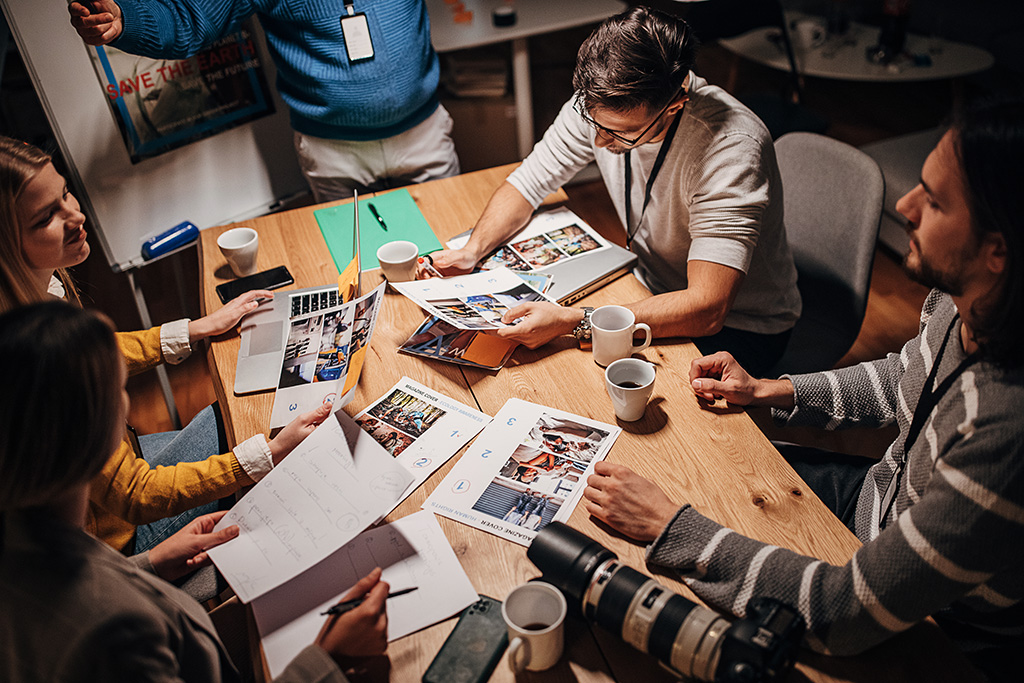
{"type": "Point", "coordinates": [693, 177]}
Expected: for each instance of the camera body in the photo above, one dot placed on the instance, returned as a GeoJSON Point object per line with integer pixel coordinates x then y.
{"type": "Point", "coordinates": [690, 639]}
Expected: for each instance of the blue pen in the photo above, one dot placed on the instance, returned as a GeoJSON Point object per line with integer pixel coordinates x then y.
{"type": "Point", "coordinates": [373, 210]}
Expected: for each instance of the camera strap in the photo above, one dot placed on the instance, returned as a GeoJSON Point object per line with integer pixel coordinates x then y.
{"type": "Point", "coordinates": [930, 397]}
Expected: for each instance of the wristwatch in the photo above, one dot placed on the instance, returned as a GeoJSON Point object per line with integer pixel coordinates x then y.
{"type": "Point", "coordinates": [582, 330]}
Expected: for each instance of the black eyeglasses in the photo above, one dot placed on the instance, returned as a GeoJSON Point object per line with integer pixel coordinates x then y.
{"type": "Point", "coordinates": [578, 107]}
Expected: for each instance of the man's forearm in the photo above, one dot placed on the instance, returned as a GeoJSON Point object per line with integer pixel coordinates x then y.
{"type": "Point", "coordinates": [505, 214]}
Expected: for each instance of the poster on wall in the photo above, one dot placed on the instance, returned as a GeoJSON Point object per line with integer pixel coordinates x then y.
{"type": "Point", "coordinates": [163, 104]}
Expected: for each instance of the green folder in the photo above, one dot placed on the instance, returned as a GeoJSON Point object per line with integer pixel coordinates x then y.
{"type": "Point", "coordinates": [398, 210]}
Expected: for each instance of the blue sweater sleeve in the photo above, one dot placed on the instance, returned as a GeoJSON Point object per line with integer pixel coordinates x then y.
{"type": "Point", "coordinates": [177, 29]}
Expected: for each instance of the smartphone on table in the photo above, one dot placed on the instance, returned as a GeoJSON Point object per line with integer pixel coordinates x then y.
{"type": "Point", "coordinates": [267, 279]}
{"type": "Point", "coordinates": [473, 648]}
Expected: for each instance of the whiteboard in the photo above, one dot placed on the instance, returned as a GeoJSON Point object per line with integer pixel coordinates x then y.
{"type": "Point", "coordinates": [236, 174]}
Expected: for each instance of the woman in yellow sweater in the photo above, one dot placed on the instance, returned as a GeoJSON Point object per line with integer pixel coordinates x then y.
{"type": "Point", "coordinates": [139, 498]}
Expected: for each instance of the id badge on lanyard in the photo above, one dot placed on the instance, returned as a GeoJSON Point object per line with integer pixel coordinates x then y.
{"type": "Point", "coordinates": [356, 30]}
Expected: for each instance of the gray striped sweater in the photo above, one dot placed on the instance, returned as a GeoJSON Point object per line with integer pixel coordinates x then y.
{"type": "Point", "coordinates": [952, 547]}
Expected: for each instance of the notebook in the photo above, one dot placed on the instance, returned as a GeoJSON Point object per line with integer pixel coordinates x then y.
{"type": "Point", "coordinates": [265, 330]}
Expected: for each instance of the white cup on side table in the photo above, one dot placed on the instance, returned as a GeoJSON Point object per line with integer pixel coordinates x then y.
{"type": "Point", "coordinates": [611, 329]}
{"type": "Point", "coordinates": [630, 382]}
{"type": "Point", "coordinates": [398, 260]}
{"type": "Point", "coordinates": [534, 614]}
{"type": "Point", "coordinates": [239, 246]}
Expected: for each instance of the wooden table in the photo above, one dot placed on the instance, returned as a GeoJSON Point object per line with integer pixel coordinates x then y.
{"type": "Point", "coordinates": [714, 458]}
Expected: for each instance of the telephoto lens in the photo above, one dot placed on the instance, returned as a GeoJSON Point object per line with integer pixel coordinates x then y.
{"type": "Point", "coordinates": [690, 639]}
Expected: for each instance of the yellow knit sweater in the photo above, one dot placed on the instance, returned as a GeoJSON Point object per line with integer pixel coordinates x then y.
{"type": "Point", "coordinates": [129, 492]}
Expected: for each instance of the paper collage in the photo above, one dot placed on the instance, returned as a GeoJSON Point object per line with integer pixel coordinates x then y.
{"type": "Point", "coordinates": [471, 302]}
{"type": "Point", "coordinates": [550, 237]}
{"type": "Point", "coordinates": [526, 469]}
{"type": "Point", "coordinates": [420, 428]}
{"type": "Point", "coordinates": [323, 357]}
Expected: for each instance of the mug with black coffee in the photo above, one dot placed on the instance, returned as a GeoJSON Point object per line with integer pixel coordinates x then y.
{"type": "Point", "coordinates": [630, 382]}
{"type": "Point", "coordinates": [534, 615]}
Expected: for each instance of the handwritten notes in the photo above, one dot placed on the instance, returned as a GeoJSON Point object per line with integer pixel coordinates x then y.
{"type": "Point", "coordinates": [331, 487]}
{"type": "Point", "coordinates": [412, 552]}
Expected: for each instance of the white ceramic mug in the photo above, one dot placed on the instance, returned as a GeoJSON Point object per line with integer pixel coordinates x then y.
{"type": "Point", "coordinates": [630, 382]}
{"type": "Point", "coordinates": [611, 329]}
{"type": "Point", "coordinates": [239, 246]}
{"type": "Point", "coordinates": [398, 260]}
{"type": "Point", "coordinates": [534, 615]}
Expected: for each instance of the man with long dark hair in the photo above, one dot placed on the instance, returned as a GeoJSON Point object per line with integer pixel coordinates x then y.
{"type": "Point", "coordinates": [693, 177]}
{"type": "Point", "coordinates": [941, 515]}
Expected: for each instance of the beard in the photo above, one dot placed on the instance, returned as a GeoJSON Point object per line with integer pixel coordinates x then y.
{"type": "Point", "coordinates": [920, 270]}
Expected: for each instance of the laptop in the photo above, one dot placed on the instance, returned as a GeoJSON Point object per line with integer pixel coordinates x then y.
{"type": "Point", "coordinates": [576, 278]}
{"type": "Point", "coordinates": [265, 330]}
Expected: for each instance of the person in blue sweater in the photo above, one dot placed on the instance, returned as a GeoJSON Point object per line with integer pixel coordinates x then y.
{"type": "Point", "coordinates": [360, 123]}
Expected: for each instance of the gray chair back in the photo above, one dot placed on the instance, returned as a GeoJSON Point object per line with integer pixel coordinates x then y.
{"type": "Point", "coordinates": [833, 204]}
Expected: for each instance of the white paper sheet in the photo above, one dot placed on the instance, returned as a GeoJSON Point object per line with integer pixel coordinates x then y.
{"type": "Point", "coordinates": [421, 428]}
{"type": "Point", "coordinates": [336, 483]}
{"type": "Point", "coordinates": [412, 552]}
{"type": "Point", "coordinates": [526, 469]}
{"type": "Point", "coordinates": [471, 302]}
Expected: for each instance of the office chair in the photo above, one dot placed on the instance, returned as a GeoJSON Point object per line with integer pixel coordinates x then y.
{"type": "Point", "coordinates": [833, 204]}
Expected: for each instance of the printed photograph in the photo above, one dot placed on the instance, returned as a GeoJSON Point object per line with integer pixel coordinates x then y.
{"type": "Point", "coordinates": [487, 307]}
{"type": "Point", "coordinates": [301, 352]}
{"type": "Point", "coordinates": [573, 240]}
{"type": "Point", "coordinates": [507, 258]}
{"type": "Point", "coordinates": [406, 412]}
{"type": "Point", "coordinates": [538, 251]}
{"type": "Point", "coordinates": [565, 437]}
{"type": "Point", "coordinates": [543, 471]}
{"type": "Point", "coordinates": [393, 440]}
{"type": "Point", "coordinates": [362, 318]}
{"type": "Point", "coordinates": [517, 504]}
{"type": "Point", "coordinates": [332, 359]}
{"type": "Point", "coordinates": [458, 310]}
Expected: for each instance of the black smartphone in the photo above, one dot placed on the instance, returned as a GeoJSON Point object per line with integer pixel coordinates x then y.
{"type": "Point", "coordinates": [268, 279]}
{"type": "Point", "coordinates": [473, 648]}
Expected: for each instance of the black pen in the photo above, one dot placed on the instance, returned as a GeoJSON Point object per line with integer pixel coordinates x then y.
{"type": "Point", "coordinates": [349, 605]}
{"type": "Point", "coordinates": [373, 210]}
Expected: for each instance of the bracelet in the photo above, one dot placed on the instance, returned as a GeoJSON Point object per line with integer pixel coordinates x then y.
{"type": "Point", "coordinates": [582, 330]}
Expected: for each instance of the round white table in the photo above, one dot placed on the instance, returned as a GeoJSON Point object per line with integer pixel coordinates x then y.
{"type": "Point", "coordinates": [845, 57]}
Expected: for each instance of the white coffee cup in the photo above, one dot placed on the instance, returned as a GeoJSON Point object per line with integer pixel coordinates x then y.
{"type": "Point", "coordinates": [611, 330]}
{"type": "Point", "coordinates": [398, 260]}
{"type": "Point", "coordinates": [534, 615]}
{"type": "Point", "coordinates": [239, 246]}
{"type": "Point", "coordinates": [810, 33]}
{"type": "Point", "coordinates": [630, 382]}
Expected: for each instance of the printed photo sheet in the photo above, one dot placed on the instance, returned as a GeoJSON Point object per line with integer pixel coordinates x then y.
{"type": "Point", "coordinates": [413, 552]}
{"type": "Point", "coordinates": [323, 357]}
{"type": "Point", "coordinates": [420, 428]}
{"type": "Point", "coordinates": [550, 237]}
{"type": "Point", "coordinates": [335, 484]}
{"type": "Point", "coordinates": [526, 469]}
{"type": "Point", "coordinates": [471, 302]}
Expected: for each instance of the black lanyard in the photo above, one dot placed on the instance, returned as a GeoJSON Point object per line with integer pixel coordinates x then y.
{"type": "Point", "coordinates": [628, 171]}
{"type": "Point", "coordinates": [926, 404]}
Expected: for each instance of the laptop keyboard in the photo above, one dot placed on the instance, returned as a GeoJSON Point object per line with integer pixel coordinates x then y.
{"type": "Point", "coordinates": [311, 302]}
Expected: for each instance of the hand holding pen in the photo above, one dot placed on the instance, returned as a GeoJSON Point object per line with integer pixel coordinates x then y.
{"type": "Point", "coordinates": [346, 606]}
{"type": "Point", "coordinates": [362, 630]}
